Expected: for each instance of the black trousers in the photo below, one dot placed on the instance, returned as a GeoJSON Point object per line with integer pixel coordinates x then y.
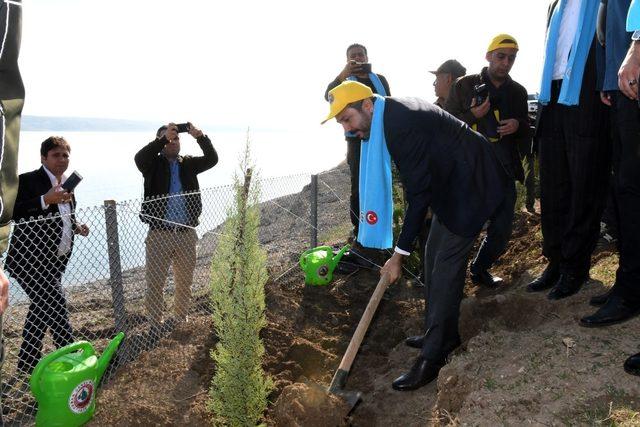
{"type": "Point", "coordinates": [353, 160]}
{"type": "Point", "coordinates": [625, 116]}
{"type": "Point", "coordinates": [574, 154]}
{"type": "Point", "coordinates": [445, 269]}
{"type": "Point", "coordinates": [48, 310]}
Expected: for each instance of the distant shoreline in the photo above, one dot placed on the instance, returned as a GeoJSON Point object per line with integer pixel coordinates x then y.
{"type": "Point", "coordinates": [83, 124]}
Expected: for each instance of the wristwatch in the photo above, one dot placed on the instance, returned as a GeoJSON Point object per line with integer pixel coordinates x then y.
{"type": "Point", "coordinates": [636, 35]}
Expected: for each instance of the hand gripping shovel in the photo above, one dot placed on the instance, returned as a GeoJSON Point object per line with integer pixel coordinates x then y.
{"type": "Point", "coordinates": [340, 377]}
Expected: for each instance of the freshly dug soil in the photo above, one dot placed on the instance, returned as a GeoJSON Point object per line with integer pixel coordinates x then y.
{"type": "Point", "coordinates": [524, 359]}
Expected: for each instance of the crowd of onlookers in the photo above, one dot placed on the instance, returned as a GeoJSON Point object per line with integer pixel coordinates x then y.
{"type": "Point", "coordinates": [587, 133]}
{"type": "Point", "coordinates": [458, 159]}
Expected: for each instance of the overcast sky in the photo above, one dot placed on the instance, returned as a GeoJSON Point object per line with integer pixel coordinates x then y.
{"type": "Point", "coordinates": [263, 64]}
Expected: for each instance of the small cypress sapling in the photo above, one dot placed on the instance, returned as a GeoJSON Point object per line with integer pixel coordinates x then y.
{"type": "Point", "coordinates": [239, 389]}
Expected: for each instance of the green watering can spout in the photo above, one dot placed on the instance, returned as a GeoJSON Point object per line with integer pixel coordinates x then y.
{"type": "Point", "coordinates": [336, 258]}
{"type": "Point", "coordinates": [108, 353]}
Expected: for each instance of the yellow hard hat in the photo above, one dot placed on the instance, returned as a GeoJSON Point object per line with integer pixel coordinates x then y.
{"type": "Point", "coordinates": [502, 41]}
{"type": "Point", "coordinates": [344, 94]}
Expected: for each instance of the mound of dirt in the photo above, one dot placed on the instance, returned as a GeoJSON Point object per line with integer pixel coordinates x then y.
{"type": "Point", "coordinates": [303, 405]}
{"type": "Point", "coordinates": [523, 358]}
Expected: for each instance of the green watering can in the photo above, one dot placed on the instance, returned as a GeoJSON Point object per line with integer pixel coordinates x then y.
{"type": "Point", "coordinates": [64, 383]}
{"type": "Point", "coordinates": [318, 264]}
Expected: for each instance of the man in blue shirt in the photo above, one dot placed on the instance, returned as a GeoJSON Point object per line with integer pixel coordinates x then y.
{"type": "Point", "coordinates": [620, 91]}
{"type": "Point", "coordinates": [172, 207]}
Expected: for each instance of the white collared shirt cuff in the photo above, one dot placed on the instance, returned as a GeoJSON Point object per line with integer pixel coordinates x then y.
{"type": "Point", "coordinates": [43, 204]}
{"type": "Point", "coordinates": [402, 251]}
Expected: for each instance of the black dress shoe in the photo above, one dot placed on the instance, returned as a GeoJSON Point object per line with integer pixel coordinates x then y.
{"type": "Point", "coordinates": [567, 285]}
{"type": "Point", "coordinates": [415, 341]}
{"type": "Point", "coordinates": [484, 278]}
{"type": "Point", "coordinates": [546, 280]}
{"type": "Point", "coordinates": [632, 365]}
{"type": "Point", "coordinates": [421, 373]}
{"type": "Point", "coordinates": [615, 310]}
{"type": "Point", "coordinates": [599, 300]}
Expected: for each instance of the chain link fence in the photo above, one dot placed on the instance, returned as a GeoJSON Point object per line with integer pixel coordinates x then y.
{"type": "Point", "coordinates": [143, 268]}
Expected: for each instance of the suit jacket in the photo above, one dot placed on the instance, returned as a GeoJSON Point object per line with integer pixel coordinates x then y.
{"type": "Point", "coordinates": [34, 246]}
{"type": "Point", "coordinates": [444, 164]}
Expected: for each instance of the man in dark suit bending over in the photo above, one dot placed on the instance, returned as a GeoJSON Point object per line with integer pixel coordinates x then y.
{"type": "Point", "coordinates": [444, 165]}
{"type": "Point", "coordinates": [40, 249]}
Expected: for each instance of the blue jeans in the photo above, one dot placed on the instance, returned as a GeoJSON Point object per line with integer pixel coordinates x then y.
{"type": "Point", "coordinates": [499, 232]}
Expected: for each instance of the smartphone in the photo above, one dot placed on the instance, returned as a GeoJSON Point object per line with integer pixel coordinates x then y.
{"type": "Point", "coordinates": [365, 67]}
{"type": "Point", "coordinates": [72, 182]}
{"type": "Point", "coordinates": [183, 127]}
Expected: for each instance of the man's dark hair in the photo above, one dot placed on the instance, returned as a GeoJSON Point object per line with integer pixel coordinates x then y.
{"type": "Point", "coordinates": [160, 130]}
{"type": "Point", "coordinates": [53, 142]}
{"type": "Point", "coordinates": [356, 45]}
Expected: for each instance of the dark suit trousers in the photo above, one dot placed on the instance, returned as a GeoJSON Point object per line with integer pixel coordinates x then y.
{"type": "Point", "coordinates": [498, 233]}
{"type": "Point", "coordinates": [445, 269]}
{"type": "Point", "coordinates": [626, 167]}
{"type": "Point", "coordinates": [574, 166]}
{"type": "Point", "coordinates": [353, 160]}
{"type": "Point", "coordinates": [48, 310]}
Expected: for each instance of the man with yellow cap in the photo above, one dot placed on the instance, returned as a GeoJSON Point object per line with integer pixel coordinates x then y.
{"type": "Point", "coordinates": [444, 165]}
{"type": "Point", "coordinates": [496, 106]}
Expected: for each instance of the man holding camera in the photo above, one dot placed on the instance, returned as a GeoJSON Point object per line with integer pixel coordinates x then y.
{"type": "Point", "coordinates": [40, 249]}
{"type": "Point", "coordinates": [357, 69]}
{"type": "Point", "coordinates": [172, 208]}
{"type": "Point", "coordinates": [496, 106]}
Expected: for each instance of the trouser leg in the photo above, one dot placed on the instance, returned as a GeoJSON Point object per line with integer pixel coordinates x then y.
{"type": "Point", "coordinates": [184, 262]}
{"type": "Point", "coordinates": [450, 254]}
{"type": "Point", "coordinates": [498, 232]}
{"type": "Point", "coordinates": [589, 167]}
{"type": "Point", "coordinates": [627, 194]}
{"type": "Point", "coordinates": [434, 241]}
{"type": "Point", "coordinates": [158, 249]}
{"type": "Point", "coordinates": [555, 184]}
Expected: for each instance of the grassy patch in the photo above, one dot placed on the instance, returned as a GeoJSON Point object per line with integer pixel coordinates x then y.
{"type": "Point", "coordinates": [605, 270]}
{"type": "Point", "coordinates": [614, 409]}
{"type": "Point", "coordinates": [490, 384]}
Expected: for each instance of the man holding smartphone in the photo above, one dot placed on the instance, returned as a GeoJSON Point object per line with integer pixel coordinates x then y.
{"type": "Point", "coordinates": [358, 69]}
{"type": "Point", "coordinates": [172, 209]}
{"type": "Point", "coordinates": [40, 249]}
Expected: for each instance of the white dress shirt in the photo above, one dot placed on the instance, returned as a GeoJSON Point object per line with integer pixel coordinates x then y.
{"type": "Point", "coordinates": [568, 28]}
{"type": "Point", "coordinates": [65, 213]}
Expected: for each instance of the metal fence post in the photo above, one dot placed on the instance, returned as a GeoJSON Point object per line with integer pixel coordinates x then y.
{"type": "Point", "coordinates": [115, 270]}
{"type": "Point", "coordinates": [314, 211]}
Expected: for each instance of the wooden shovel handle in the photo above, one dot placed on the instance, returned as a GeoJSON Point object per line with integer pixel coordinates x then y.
{"type": "Point", "coordinates": [361, 330]}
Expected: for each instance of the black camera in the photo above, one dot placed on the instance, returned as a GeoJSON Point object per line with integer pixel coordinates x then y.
{"type": "Point", "coordinates": [183, 127]}
{"type": "Point", "coordinates": [480, 93]}
{"type": "Point", "coordinates": [364, 67]}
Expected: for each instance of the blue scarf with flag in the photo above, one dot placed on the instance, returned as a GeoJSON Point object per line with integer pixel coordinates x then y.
{"type": "Point", "coordinates": [376, 194]}
{"type": "Point", "coordinates": [377, 84]}
{"type": "Point", "coordinates": [572, 79]}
